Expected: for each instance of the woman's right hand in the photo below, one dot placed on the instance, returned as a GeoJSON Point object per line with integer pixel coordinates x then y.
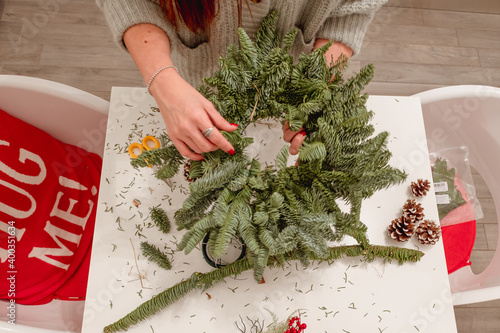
{"type": "Point", "coordinates": [186, 114]}
{"type": "Point", "coordinates": [185, 111]}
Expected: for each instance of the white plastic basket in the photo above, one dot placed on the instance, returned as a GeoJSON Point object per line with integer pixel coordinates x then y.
{"type": "Point", "coordinates": [469, 115]}
{"type": "Point", "coordinates": [72, 116]}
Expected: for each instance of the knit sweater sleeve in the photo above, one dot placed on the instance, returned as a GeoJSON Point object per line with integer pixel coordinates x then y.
{"type": "Point", "coordinates": [123, 14]}
{"type": "Point", "coordinates": [349, 21]}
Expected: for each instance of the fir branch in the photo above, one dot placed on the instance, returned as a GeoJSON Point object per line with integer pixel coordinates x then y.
{"type": "Point", "coordinates": [227, 230]}
{"type": "Point", "coordinates": [282, 158]}
{"type": "Point", "coordinates": [191, 239]}
{"type": "Point", "coordinates": [155, 255]}
{"type": "Point", "coordinates": [360, 81]}
{"type": "Point", "coordinates": [312, 151]}
{"type": "Point", "coordinates": [166, 157]}
{"type": "Point", "coordinates": [160, 219]}
{"type": "Point", "coordinates": [239, 181]}
{"type": "Point", "coordinates": [185, 218]}
{"type": "Point", "coordinates": [254, 168]}
{"type": "Point", "coordinates": [248, 49]}
{"type": "Point", "coordinates": [289, 39]}
{"type": "Point", "coordinates": [196, 233]}
{"type": "Point", "coordinates": [248, 233]}
{"type": "Point", "coordinates": [206, 280]}
{"type": "Point", "coordinates": [267, 36]}
{"type": "Point", "coordinates": [217, 178]}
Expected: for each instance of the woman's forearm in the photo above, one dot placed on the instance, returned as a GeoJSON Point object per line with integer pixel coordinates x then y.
{"type": "Point", "coordinates": [149, 46]}
{"type": "Point", "coordinates": [186, 113]}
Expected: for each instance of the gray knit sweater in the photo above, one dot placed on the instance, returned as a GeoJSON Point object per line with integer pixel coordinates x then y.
{"type": "Point", "coordinates": [341, 20]}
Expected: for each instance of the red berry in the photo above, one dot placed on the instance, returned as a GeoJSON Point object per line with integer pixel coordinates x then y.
{"type": "Point", "coordinates": [303, 326]}
{"type": "Point", "coordinates": [293, 330]}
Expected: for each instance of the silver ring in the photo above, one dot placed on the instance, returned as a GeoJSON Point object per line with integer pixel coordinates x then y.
{"type": "Point", "coordinates": [208, 132]}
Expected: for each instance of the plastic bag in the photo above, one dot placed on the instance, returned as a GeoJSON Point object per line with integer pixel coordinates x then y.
{"type": "Point", "coordinates": [453, 185]}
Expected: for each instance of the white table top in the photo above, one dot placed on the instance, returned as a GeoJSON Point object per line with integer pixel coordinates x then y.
{"type": "Point", "coordinates": [348, 295]}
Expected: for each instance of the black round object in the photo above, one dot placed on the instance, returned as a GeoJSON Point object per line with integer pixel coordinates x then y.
{"type": "Point", "coordinates": [236, 249]}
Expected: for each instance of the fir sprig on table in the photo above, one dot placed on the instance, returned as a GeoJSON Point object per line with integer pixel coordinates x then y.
{"type": "Point", "coordinates": [160, 219]}
{"type": "Point", "coordinates": [155, 255]}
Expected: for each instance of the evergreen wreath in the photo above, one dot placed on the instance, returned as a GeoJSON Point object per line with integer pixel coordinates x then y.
{"type": "Point", "coordinates": [280, 212]}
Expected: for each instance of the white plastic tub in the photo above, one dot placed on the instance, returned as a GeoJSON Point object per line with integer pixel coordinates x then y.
{"type": "Point", "coordinates": [469, 115]}
{"type": "Point", "coordinates": [72, 116]}
{"type": "Point", "coordinates": [56, 316]}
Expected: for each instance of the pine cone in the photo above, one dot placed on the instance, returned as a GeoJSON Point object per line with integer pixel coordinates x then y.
{"type": "Point", "coordinates": [428, 232]}
{"type": "Point", "coordinates": [413, 211]}
{"type": "Point", "coordinates": [420, 188]}
{"type": "Point", "coordinates": [187, 170]}
{"type": "Point", "coordinates": [401, 229]}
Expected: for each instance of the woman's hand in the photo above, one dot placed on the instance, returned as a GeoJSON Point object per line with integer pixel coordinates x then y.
{"type": "Point", "coordinates": [295, 138]}
{"type": "Point", "coordinates": [187, 114]}
{"type": "Point", "coordinates": [185, 111]}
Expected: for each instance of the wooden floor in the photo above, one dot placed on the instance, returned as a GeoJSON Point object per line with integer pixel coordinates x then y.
{"type": "Point", "coordinates": [414, 49]}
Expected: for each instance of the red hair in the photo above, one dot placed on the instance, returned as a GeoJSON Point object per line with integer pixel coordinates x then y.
{"type": "Point", "coordinates": [196, 14]}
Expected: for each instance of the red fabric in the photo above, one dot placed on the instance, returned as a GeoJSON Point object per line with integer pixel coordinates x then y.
{"type": "Point", "coordinates": [462, 213]}
{"type": "Point", "coordinates": [458, 241]}
{"type": "Point", "coordinates": [458, 229]}
{"type": "Point", "coordinates": [48, 190]}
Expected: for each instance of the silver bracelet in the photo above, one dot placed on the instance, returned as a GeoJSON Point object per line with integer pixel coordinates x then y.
{"type": "Point", "coordinates": [158, 72]}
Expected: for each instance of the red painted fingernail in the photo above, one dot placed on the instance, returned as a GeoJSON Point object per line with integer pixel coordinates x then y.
{"type": "Point", "coordinates": [235, 124]}
{"type": "Point", "coordinates": [303, 133]}
{"type": "Point", "coordinates": [231, 152]}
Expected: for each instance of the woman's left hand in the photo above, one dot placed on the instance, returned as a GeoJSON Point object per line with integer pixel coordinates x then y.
{"type": "Point", "coordinates": [295, 138]}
